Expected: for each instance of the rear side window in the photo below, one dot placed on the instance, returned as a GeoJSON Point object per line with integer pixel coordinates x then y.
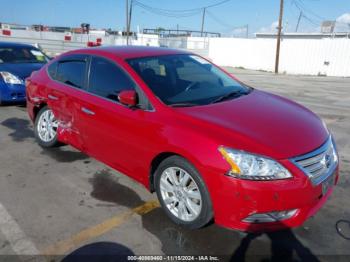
{"type": "Point", "coordinates": [107, 79]}
{"type": "Point", "coordinates": [52, 69]}
{"type": "Point", "coordinates": [71, 72]}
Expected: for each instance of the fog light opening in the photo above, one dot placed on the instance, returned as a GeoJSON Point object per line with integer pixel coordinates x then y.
{"type": "Point", "coordinates": [270, 217]}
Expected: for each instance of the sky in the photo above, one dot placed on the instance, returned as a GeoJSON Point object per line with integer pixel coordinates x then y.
{"type": "Point", "coordinates": [260, 15]}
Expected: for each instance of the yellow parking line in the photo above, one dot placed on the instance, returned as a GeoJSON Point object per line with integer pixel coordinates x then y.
{"type": "Point", "coordinates": [66, 245]}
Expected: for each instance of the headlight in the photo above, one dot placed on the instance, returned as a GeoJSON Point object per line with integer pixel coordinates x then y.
{"type": "Point", "coordinates": [334, 150]}
{"type": "Point", "coordinates": [253, 167]}
{"type": "Point", "coordinates": [10, 78]}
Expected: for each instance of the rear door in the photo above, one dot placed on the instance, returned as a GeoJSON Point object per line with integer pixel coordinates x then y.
{"type": "Point", "coordinates": [63, 93]}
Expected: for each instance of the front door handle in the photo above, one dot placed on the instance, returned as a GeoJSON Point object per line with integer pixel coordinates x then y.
{"type": "Point", "coordinates": [51, 97]}
{"type": "Point", "coordinates": [87, 111]}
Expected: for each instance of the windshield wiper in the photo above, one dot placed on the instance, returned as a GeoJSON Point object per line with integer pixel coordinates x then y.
{"type": "Point", "coordinates": [230, 95]}
{"type": "Point", "coordinates": [182, 104]}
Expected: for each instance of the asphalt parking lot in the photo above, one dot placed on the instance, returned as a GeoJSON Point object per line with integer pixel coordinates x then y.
{"type": "Point", "coordinates": [61, 202]}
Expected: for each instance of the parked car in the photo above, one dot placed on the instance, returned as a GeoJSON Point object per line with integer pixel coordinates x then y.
{"type": "Point", "coordinates": [17, 62]}
{"type": "Point", "coordinates": [210, 146]}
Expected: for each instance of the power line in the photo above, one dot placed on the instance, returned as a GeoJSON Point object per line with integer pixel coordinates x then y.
{"type": "Point", "coordinates": [180, 13]}
{"type": "Point", "coordinates": [219, 3]}
{"type": "Point", "coordinates": [186, 10]}
{"type": "Point", "coordinates": [303, 12]}
{"type": "Point", "coordinates": [166, 13]}
{"type": "Point", "coordinates": [300, 3]}
{"type": "Point", "coordinates": [304, 9]}
{"type": "Point", "coordinates": [310, 20]}
{"type": "Point", "coordinates": [226, 25]}
{"type": "Point", "coordinates": [177, 13]}
{"type": "Point", "coordinates": [218, 20]}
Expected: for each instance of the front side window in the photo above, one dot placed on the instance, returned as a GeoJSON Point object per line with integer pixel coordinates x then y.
{"type": "Point", "coordinates": [186, 80]}
{"type": "Point", "coordinates": [18, 55]}
{"type": "Point", "coordinates": [107, 79]}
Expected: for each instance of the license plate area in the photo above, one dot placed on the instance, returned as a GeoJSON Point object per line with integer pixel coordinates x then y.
{"type": "Point", "coordinates": [327, 184]}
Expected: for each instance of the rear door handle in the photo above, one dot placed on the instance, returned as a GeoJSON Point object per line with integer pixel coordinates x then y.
{"type": "Point", "coordinates": [87, 111]}
{"type": "Point", "coordinates": [51, 97]}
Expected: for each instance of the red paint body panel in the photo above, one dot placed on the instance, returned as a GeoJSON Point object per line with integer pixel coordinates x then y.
{"type": "Point", "coordinates": [129, 140]}
{"type": "Point", "coordinates": [267, 120]}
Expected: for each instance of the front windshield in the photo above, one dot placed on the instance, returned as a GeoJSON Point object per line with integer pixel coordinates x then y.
{"type": "Point", "coordinates": [21, 55]}
{"type": "Point", "coordinates": [186, 80]}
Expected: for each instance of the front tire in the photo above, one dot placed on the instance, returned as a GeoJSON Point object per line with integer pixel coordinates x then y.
{"type": "Point", "coordinates": [45, 128]}
{"type": "Point", "coordinates": [182, 193]}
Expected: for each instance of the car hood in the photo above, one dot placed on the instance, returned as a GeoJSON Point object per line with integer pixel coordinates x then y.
{"type": "Point", "coordinates": [261, 123]}
{"type": "Point", "coordinates": [22, 70]}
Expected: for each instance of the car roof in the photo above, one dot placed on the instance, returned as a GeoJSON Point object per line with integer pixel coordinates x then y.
{"type": "Point", "coordinates": [127, 52]}
{"type": "Point", "coordinates": [14, 44]}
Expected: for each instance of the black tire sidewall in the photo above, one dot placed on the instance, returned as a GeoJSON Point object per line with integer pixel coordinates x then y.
{"type": "Point", "coordinates": [206, 214]}
{"type": "Point", "coordinates": [52, 143]}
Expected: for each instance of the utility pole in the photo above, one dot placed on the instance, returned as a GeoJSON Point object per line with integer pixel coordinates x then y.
{"type": "Point", "coordinates": [203, 18]}
{"type": "Point", "coordinates": [247, 31]}
{"type": "Point", "coordinates": [300, 16]}
{"type": "Point", "coordinates": [130, 15]}
{"type": "Point", "coordinates": [127, 21]}
{"type": "Point", "coordinates": [279, 37]}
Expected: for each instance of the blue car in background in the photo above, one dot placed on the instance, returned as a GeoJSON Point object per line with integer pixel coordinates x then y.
{"type": "Point", "coordinates": [17, 62]}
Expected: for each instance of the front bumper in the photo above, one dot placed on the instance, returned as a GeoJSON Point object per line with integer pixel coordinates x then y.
{"type": "Point", "coordinates": [12, 93]}
{"type": "Point", "coordinates": [237, 199]}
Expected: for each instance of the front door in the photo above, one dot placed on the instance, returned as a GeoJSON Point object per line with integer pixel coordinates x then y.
{"type": "Point", "coordinates": [112, 132]}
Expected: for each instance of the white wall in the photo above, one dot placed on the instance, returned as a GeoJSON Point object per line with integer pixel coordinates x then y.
{"type": "Point", "coordinates": [197, 42]}
{"type": "Point", "coordinates": [146, 40]}
{"type": "Point", "coordinates": [298, 56]}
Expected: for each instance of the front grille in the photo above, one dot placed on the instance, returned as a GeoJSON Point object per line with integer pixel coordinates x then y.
{"type": "Point", "coordinates": [320, 163]}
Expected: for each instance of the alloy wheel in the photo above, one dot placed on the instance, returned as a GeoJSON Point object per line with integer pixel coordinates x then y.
{"type": "Point", "coordinates": [47, 126]}
{"type": "Point", "coordinates": [180, 194]}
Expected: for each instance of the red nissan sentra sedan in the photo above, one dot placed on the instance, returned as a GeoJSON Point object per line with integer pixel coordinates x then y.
{"type": "Point", "coordinates": [211, 147]}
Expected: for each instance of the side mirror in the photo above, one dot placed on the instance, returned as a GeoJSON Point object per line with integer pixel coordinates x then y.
{"type": "Point", "coordinates": [128, 97]}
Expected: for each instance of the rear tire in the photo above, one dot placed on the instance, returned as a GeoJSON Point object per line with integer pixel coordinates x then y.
{"type": "Point", "coordinates": [45, 128]}
{"type": "Point", "coordinates": [182, 193]}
